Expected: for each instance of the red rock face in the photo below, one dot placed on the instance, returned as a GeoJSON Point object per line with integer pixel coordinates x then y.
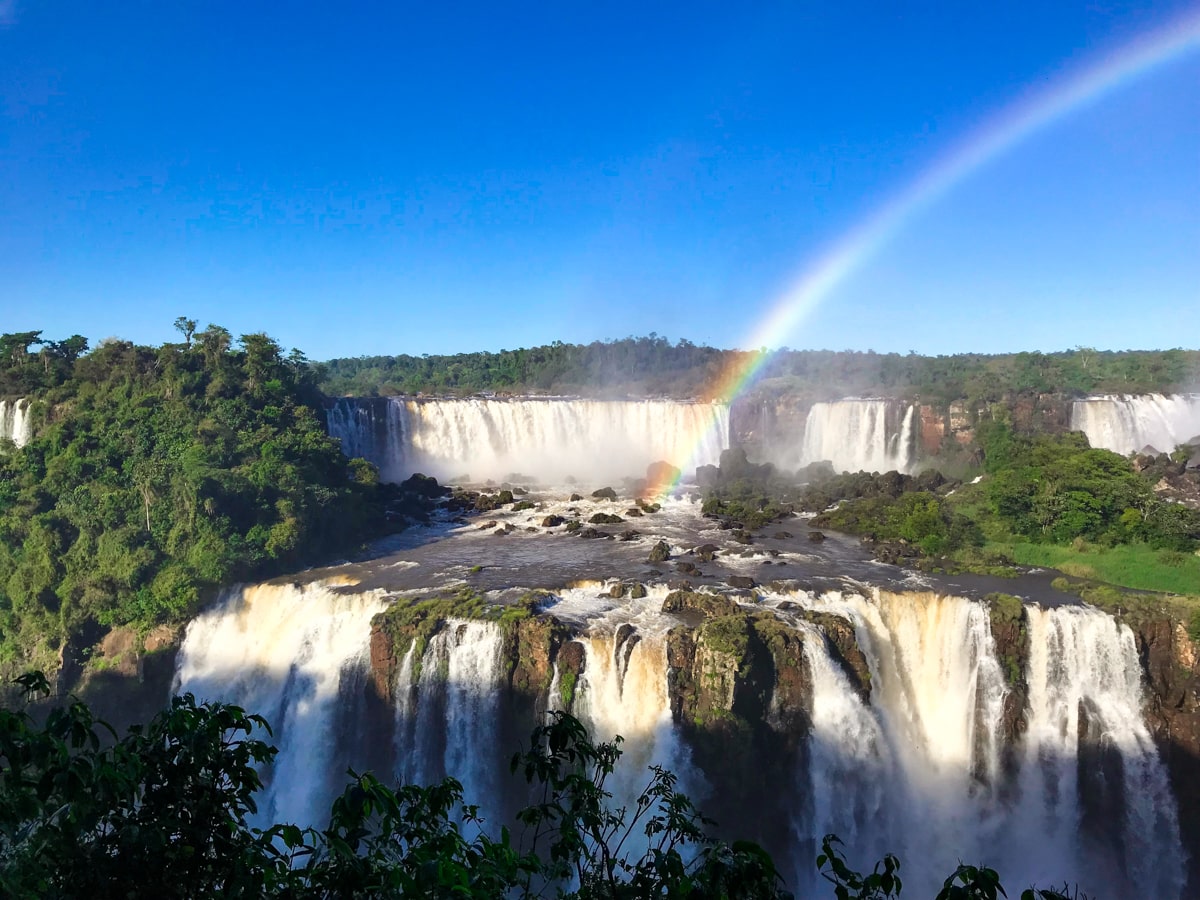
{"type": "Point", "coordinates": [383, 663]}
{"type": "Point", "coordinates": [933, 430]}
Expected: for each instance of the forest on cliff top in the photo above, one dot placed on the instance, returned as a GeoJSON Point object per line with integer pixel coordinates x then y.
{"type": "Point", "coordinates": [654, 366]}
{"type": "Point", "coordinates": [157, 475]}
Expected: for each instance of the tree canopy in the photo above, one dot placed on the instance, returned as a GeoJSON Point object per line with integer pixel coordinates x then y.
{"type": "Point", "coordinates": [156, 475]}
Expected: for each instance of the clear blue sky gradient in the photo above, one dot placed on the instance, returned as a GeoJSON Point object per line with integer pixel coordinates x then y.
{"type": "Point", "coordinates": [425, 178]}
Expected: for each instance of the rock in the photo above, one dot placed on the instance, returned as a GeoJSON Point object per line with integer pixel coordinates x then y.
{"type": "Point", "coordinates": [522, 505]}
{"type": "Point", "coordinates": [605, 519]}
{"type": "Point", "coordinates": [504, 497]}
{"type": "Point", "coordinates": [633, 512]}
{"type": "Point", "coordinates": [552, 521]}
{"type": "Point", "coordinates": [782, 535]}
{"type": "Point", "coordinates": [662, 473]}
{"type": "Point", "coordinates": [617, 591]}
{"type": "Point", "coordinates": [486, 525]}
{"type": "Point", "coordinates": [708, 476]}
{"type": "Point", "coordinates": [486, 502]}
{"type": "Point", "coordinates": [687, 568]}
{"type": "Point", "coordinates": [605, 493]}
{"type": "Point", "coordinates": [816, 536]}
{"type": "Point", "coordinates": [593, 533]}
{"type": "Point", "coordinates": [629, 535]}
{"type": "Point", "coordinates": [424, 486]}
{"type": "Point", "coordinates": [742, 536]}
{"type": "Point", "coordinates": [637, 592]}
{"type": "Point", "coordinates": [574, 498]}
{"type": "Point", "coordinates": [574, 525]}
{"type": "Point", "coordinates": [741, 581]}
{"type": "Point", "coordinates": [711, 605]}
{"type": "Point", "coordinates": [660, 552]}
{"type": "Point", "coordinates": [707, 551]}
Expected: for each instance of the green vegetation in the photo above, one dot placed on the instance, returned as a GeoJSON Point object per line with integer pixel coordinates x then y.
{"type": "Point", "coordinates": [158, 474]}
{"type": "Point", "coordinates": [408, 622]}
{"type": "Point", "coordinates": [1136, 566]}
{"type": "Point", "coordinates": [921, 519]}
{"type": "Point", "coordinates": [162, 812]}
{"type": "Point", "coordinates": [654, 366]}
{"type": "Point", "coordinates": [1046, 500]}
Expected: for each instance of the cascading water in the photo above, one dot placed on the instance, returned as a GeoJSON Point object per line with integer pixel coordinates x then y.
{"type": "Point", "coordinates": [446, 713]}
{"type": "Point", "coordinates": [918, 772]}
{"type": "Point", "coordinates": [371, 429]}
{"type": "Point", "coordinates": [15, 424]}
{"type": "Point", "coordinates": [547, 438]}
{"type": "Point", "coordinates": [1128, 424]}
{"type": "Point", "coordinates": [289, 653]}
{"type": "Point", "coordinates": [861, 435]}
{"type": "Point", "coordinates": [1085, 719]}
{"type": "Point", "coordinates": [927, 763]}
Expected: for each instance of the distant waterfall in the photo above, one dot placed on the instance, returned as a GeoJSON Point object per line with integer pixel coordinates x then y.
{"type": "Point", "coordinates": [15, 424]}
{"type": "Point", "coordinates": [549, 439]}
{"type": "Point", "coordinates": [861, 435]}
{"type": "Point", "coordinates": [1128, 424]}
{"type": "Point", "coordinates": [290, 654]}
{"type": "Point", "coordinates": [918, 771]}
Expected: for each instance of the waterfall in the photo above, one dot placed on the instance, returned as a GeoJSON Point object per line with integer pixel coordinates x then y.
{"type": "Point", "coordinates": [917, 771]}
{"type": "Point", "coordinates": [861, 435]}
{"type": "Point", "coordinates": [623, 691]}
{"type": "Point", "coordinates": [15, 424]}
{"type": "Point", "coordinates": [371, 429]}
{"type": "Point", "coordinates": [547, 438]}
{"type": "Point", "coordinates": [1085, 718]}
{"type": "Point", "coordinates": [446, 716]}
{"type": "Point", "coordinates": [287, 652]}
{"type": "Point", "coordinates": [1128, 424]}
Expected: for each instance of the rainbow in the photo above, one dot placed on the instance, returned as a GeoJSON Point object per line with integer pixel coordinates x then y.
{"type": "Point", "coordinates": [1040, 107]}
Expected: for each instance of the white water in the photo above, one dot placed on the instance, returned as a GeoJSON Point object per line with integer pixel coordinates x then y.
{"type": "Point", "coordinates": [918, 772]}
{"type": "Point", "coordinates": [445, 716]}
{"type": "Point", "coordinates": [15, 424]}
{"type": "Point", "coordinates": [285, 652]}
{"type": "Point", "coordinates": [1127, 424]}
{"type": "Point", "coordinates": [549, 439]}
{"type": "Point", "coordinates": [861, 435]}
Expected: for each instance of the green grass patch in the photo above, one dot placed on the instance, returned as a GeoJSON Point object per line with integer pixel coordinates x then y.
{"type": "Point", "coordinates": [1136, 566]}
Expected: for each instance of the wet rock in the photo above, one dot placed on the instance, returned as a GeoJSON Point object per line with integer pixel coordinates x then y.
{"type": "Point", "coordinates": [782, 535]}
{"type": "Point", "coordinates": [816, 536]}
{"type": "Point", "coordinates": [662, 473]}
{"type": "Point", "coordinates": [486, 525]}
{"type": "Point", "coordinates": [605, 519]}
{"type": "Point", "coordinates": [660, 552]}
{"type": "Point", "coordinates": [629, 535]}
{"type": "Point", "coordinates": [710, 605]}
{"type": "Point", "coordinates": [552, 521]}
{"type": "Point", "coordinates": [707, 551]}
{"type": "Point", "coordinates": [574, 498]}
{"type": "Point", "coordinates": [742, 536]}
{"type": "Point", "coordinates": [605, 493]}
{"type": "Point", "coordinates": [594, 533]}
{"type": "Point", "coordinates": [634, 512]}
{"type": "Point", "coordinates": [741, 581]}
{"type": "Point", "coordinates": [424, 486]}
{"type": "Point", "coordinates": [637, 591]}
{"type": "Point", "coordinates": [504, 497]}
{"type": "Point", "coordinates": [617, 591]}
{"type": "Point", "coordinates": [522, 505]}
{"type": "Point", "coordinates": [687, 568]}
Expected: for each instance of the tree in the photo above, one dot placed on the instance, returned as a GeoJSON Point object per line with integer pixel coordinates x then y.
{"type": "Point", "coordinates": [186, 327]}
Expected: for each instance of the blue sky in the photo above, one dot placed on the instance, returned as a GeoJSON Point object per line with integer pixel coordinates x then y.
{"type": "Point", "coordinates": [384, 178]}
